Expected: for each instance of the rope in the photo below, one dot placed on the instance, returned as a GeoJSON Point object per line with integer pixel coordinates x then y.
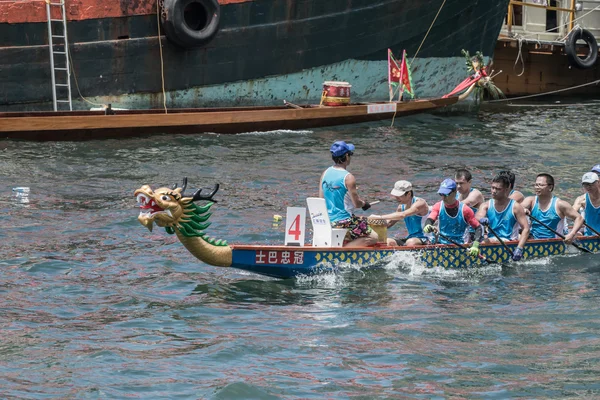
{"type": "Point", "coordinates": [544, 94]}
{"type": "Point", "coordinates": [162, 67]}
{"type": "Point", "coordinates": [520, 55]}
{"type": "Point", "coordinates": [428, 30]}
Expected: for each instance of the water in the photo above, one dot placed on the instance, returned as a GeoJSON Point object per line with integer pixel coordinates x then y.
{"type": "Point", "coordinates": [93, 306]}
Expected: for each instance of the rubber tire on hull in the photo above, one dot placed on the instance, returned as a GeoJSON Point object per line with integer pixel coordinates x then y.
{"type": "Point", "coordinates": [190, 23]}
{"type": "Point", "coordinates": [571, 48]}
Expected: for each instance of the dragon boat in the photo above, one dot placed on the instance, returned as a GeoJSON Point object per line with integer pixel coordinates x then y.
{"type": "Point", "coordinates": [171, 209]}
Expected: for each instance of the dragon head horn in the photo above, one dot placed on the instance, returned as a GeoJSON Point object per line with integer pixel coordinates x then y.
{"type": "Point", "coordinates": [183, 185]}
{"type": "Point", "coordinates": [198, 196]}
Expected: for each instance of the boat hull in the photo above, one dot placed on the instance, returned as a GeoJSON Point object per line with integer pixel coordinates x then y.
{"type": "Point", "coordinates": [88, 125]}
{"type": "Point", "coordinates": [265, 51]}
{"type": "Point", "coordinates": [289, 262]}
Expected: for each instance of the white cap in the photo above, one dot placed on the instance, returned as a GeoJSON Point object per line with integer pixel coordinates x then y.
{"type": "Point", "coordinates": [589, 177]}
{"type": "Point", "coordinates": [401, 187]}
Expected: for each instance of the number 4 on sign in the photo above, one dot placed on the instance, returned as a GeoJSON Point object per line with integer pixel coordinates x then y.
{"type": "Point", "coordinates": [295, 226]}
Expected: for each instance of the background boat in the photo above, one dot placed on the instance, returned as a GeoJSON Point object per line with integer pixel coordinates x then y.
{"type": "Point", "coordinates": [533, 45]}
{"type": "Point", "coordinates": [262, 52]}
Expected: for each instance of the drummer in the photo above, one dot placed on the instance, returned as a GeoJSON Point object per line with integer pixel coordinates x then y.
{"type": "Point", "coordinates": [338, 188]}
{"type": "Point", "coordinates": [413, 210]}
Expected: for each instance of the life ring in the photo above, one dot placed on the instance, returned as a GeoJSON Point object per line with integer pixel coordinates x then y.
{"type": "Point", "coordinates": [571, 48]}
{"type": "Point", "coordinates": [190, 23]}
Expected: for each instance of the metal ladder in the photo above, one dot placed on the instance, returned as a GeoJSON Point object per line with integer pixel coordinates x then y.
{"type": "Point", "coordinates": [62, 81]}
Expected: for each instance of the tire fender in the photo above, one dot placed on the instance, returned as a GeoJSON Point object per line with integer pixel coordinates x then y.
{"type": "Point", "coordinates": [190, 23]}
{"type": "Point", "coordinates": [571, 48]}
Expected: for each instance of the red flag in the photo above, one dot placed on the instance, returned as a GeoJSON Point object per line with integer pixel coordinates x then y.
{"type": "Point", "coordinates": [394, 69]}
{"type": "Point", "coordinates": [405, 76]}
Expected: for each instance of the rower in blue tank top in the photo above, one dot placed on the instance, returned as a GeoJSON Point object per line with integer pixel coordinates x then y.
{"type": "Point", "coordinates": [454, 217]}
{"type": "Point", "coordinates": [338, 188]}
{"type": "Point", "coordinates": [468, 195]}
{"type": "Point", "coordinates": [413, 210]}
{"type": "Point", "coordinates": [590, 202]}
{"type": "Point", "coordinates": [514, 194]}
{"type": "Point", "coordinates": [504, 216]}
{"type": "Point", "coordinates": [549, 217]}
{"type": "Point", "coordinates": [548, 212]}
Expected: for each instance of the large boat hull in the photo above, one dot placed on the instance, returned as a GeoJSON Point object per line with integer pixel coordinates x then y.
{"type": "Point", "coordinates": [288, 262]}
{"type": "Point", "coordinates": [265, 51]}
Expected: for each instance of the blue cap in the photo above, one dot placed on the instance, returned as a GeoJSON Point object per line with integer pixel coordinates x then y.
{"type": "Point", "coordinates": [340, 148]}
{"type": "Point", "coordinates": [596, 168]}
{"type": "Point", "coordinates": [447, 186]}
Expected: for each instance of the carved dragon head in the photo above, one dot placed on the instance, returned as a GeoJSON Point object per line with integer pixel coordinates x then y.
{"type": "Point", "coordinates": [169, 208]}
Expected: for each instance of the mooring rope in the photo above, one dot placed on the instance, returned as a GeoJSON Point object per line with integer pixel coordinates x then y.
{"type": "Point", "coordinates": [162, 62]}
{"type": "Point", "coordinates": [544, 94]}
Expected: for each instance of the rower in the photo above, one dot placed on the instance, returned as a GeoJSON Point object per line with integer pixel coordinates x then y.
{"type": "Point", "coordinates": [596, 169]}
{"type": "Point", "coordinates": [514, 194]}
{"type": "Point", "coordinates": [468, 195]}
{"type": "Point", "coordinates": [504, 215]}
{"type": "Point", "coordinates": [338, 188]}
{"type": "Point", "coordinates": [454, 218]}
{"type": "Point", "coordinates": [413, 210]}
{"type": "Point", "coordinates": [550, 210]}
{"type": "Point", "coordinates": [590, 202]}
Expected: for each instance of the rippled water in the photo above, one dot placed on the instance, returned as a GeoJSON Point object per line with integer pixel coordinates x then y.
{"type": "Point", "coordinates": [92, 305]}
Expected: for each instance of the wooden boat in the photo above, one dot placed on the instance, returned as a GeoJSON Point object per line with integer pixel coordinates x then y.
{"type": "Point", "coordinates": [541, 48]}
{"type": "Point", "coordinates": [171, 209]}
{"type": "Point", "coordinates": [87, 125]}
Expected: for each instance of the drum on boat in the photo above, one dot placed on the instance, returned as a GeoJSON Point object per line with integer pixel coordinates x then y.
{"type": "Point", "coordinates": [335, 93]}
{"type": "Point", "coordinates": [380, 227]}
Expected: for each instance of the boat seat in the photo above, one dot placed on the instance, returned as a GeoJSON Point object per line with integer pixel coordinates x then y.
{"type": "Point", "coordinates": [323, 234]}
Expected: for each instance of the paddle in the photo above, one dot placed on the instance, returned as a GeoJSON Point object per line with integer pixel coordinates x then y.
{"type": "Point", "coordinates": [592, 229]}
{"type": "Point", "coordinates": [558, 234]}
{"type": "Point", "coordinates": [501, 241]}
{"type": "Point", "coordinates": [458, 244]}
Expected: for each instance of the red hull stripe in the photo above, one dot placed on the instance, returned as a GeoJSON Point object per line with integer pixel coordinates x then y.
{"type": "Point", "coordinates": [35, 10]}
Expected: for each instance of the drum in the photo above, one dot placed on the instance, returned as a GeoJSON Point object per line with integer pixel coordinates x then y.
{"type": "Point", "coordinates": [336, 94]}
{"type": "Point", "coordinates": [379, 226]}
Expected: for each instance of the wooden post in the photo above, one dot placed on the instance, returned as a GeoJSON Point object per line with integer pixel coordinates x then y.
{"type": "Point", "coordinates": [572, 14]}
{"type": "Point", "coordinates": [509, 18]}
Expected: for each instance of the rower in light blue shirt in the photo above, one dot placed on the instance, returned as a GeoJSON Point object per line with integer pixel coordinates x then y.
{"type": "Point", "coordinates": [548, 211]}
{"type": "Point", "coordinates": [590, 202]}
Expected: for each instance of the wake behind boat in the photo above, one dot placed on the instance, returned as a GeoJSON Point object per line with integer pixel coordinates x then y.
{"type": "Point", "coordinates": [171, 209]}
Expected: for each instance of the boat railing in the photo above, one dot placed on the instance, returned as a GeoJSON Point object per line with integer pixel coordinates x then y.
{"type": "Point", "coordinates": [550, 21]}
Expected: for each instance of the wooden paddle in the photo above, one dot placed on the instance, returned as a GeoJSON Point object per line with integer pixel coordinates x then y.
{"type": "Point", "coordinates": [459, 245]}
{"type": "Point", "coordinates": [558, 234]}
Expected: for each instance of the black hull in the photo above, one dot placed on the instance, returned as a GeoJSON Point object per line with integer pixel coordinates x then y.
{"type": "Point", "coordinates": [120, 56]}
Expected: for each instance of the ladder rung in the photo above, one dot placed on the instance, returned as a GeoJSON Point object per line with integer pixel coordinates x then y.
{"type": "Point", "coordinates": [60, 69]}
{"type": "Point", "coordinates": [59, 52]}
{"type": "Point", "coordinates": [61, 84]}
{"type": "Point", "coordinates": [62, 101]}
{"type": "Point", "coordinates": [56, 20]}
{"type": "Point", "coordinates": [59, 36]}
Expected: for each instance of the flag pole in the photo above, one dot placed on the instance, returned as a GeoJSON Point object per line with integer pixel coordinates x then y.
{"type": "Point", "coordinates": [389, 75]}
{"type": "Point", "coordinates": [401, 83]}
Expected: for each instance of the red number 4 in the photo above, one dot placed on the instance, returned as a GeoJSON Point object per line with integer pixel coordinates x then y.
{"type": "Point", "coordinates": [295, 228]}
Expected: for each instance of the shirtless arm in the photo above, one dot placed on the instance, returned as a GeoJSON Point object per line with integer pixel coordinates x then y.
{"type": "Point", "coordinates": [519, 212]}
{"type": "Point", "coordinates": [482, 211]}
{"type": "Point", "coordinates": [351, 186]}
{"type": "Point", "coordinates": [579, 203]}
{"type": "Point", "coordinates": [474, 198]}
{"type": "Point", "coordinates": [527, 204]}
{"type": "Point", "coordinates": [566, 210]}
{"type": "Point", "coordinates": [321, 185]}
{"type": "Point", "coordinates": [517, 196]}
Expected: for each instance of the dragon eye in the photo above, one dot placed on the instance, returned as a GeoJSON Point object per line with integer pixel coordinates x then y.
{"type": "Point", "coordinates": [164, 197]}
